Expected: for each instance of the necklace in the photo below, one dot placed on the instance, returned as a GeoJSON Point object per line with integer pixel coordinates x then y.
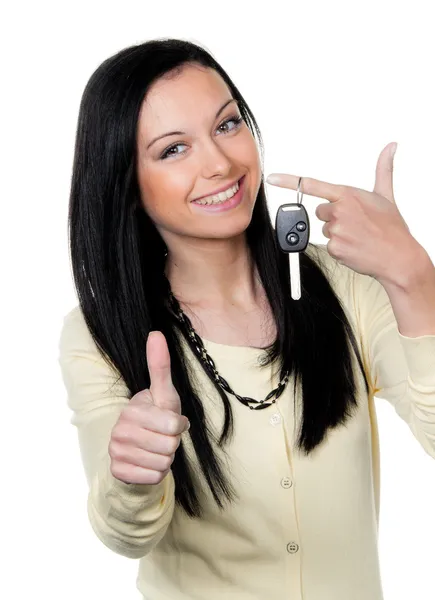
{"type": "Point", "coordinates": [208, 362]}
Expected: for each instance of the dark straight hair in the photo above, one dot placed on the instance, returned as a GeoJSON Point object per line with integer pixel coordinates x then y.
{"type": "Point", "coordinates": [118, 260]}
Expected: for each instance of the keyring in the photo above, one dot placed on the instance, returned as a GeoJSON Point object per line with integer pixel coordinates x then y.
{"type": "Point", "coordinates": [299, 201]}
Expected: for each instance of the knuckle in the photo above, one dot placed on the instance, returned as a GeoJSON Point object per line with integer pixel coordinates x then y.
{"type": "Point", "coordinates": [172, 445]}
{"type": "Point", "coordinates": [172, 424]}
{"type": "Point", "coordinates": [122, 433]}
{"type": "Point", "coordinates": [334, 249]}
{"type": "Point", "coordinates": [318, 211]}
{"type": "Point", "coordinates": [114, 451]}
{"type": "Point", "coordinates": [117, 452]}
{"type": "Point", "coordinates": [155, 477]}
{"type": "Point", "coordinates": [343, 190]}
{"type": "Point", "coordinates": [167, 462]}
{"type": "Point", "coordinates": [117, 470]}
{"type": "Point", "coordinates": [340, 210]}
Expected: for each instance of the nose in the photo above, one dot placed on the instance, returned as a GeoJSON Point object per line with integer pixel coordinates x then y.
{"type": "Point", "coordinates": [214, 160]}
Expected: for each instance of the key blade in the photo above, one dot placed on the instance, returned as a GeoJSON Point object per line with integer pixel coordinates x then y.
{"type": "Point", "coordinates": [295, 275]}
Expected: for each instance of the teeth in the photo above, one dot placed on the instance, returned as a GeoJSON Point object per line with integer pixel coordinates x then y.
{"type": "Point", "coordinates": [218, 198]}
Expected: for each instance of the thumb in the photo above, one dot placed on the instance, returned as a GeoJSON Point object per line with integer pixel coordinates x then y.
{"type": "Point", "coordinates": [162, 388]}
{"type": "Point", "coordinates": [384, 172]}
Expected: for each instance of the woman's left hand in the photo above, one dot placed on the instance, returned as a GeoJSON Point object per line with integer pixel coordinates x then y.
{"type": "Point", "coordinates": [366, 231]}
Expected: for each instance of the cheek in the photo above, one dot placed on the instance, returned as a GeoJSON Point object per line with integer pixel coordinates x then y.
{"type": "Point", "coordinates": [163, 192]}
{"type": "Point", "coordinates": [247, 155]}
{"type": "Point", "coordinates": [245, 150]}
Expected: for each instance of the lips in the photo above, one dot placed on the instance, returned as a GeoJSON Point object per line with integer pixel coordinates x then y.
{"type": "Point", "coordinates": [218, 191]}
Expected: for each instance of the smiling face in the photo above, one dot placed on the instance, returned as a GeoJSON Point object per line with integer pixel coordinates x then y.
{"type": "Point", "coordinates": [215, 150]}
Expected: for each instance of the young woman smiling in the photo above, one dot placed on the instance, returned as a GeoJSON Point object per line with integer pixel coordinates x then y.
{"type": "Point", "coordinates": [228, 433]}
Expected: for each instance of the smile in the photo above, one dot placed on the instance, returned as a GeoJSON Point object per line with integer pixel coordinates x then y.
{"type": "Point", "coordinates": [223, 201]}
{"type": "Point", "coordinates": [220, 197]}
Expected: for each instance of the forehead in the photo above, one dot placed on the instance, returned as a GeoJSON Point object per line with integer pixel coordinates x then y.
{"type": "Point", "coordinates": [193, 92]}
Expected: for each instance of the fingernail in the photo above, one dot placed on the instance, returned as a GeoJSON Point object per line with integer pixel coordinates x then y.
{"type": "Point", "coordinates": [273, 179]}
{"type": "Point", "coordinates": [393, 149]}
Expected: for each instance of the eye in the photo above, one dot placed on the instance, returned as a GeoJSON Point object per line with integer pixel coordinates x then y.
{"type": "Point", "coordinates": [168, 153]}
{"type": "Point", "coordinates": [236, 119]}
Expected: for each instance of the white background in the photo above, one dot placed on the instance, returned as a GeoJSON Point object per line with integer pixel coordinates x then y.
{"type": "Point", "coordinates": [331, 83]}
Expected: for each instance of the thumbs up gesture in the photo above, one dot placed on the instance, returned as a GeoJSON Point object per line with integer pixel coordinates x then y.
{"type": "Point", "coordinates": [148, 432]}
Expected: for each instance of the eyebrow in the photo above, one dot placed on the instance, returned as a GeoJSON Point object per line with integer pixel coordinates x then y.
{"type": "Point", "coordinates": [183, 132]}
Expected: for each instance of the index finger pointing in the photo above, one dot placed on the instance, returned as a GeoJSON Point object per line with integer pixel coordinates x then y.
{"type": "Point", "coordinates": [309, 186]}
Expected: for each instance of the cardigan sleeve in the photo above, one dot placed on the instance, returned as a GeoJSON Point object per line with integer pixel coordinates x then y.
{"type": "Point", "coordinates": [128, 519]}
{"type": "Point", "coordinates": [401, 368]}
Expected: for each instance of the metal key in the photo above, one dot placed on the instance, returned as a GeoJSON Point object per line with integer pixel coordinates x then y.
{"type": "Point", "coordinates": [292, 229]}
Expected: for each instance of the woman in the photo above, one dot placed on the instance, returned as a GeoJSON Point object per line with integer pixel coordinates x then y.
{"type": "Point", "coordinates": [186, 327]}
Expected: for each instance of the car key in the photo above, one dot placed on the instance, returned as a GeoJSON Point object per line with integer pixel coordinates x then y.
{"type": "Point", "coordinates": [292, 229]}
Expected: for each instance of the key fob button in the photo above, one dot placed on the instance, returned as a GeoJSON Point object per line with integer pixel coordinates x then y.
{"type": "Point", "coordinates": [292, 239]}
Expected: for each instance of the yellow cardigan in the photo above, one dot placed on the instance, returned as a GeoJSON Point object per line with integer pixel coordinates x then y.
{"type": "Point", "coordinates": [304, 528]}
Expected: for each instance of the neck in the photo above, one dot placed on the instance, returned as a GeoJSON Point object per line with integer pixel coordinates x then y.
{"type": "Point", "coordinates": [213, 273]}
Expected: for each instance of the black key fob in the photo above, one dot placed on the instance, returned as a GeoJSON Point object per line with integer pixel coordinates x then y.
{"type": "Point", "coordinates": [292, 227]}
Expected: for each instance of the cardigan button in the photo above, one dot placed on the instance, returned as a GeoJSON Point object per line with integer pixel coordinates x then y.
{"type": "Point", "coordinates": [292, 547]}
{"type": "Point", "coordinates": [275, 419]}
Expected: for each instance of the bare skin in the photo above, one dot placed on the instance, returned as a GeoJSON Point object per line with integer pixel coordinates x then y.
{"type": "Point", "coordinates": [208, 265]}
{"type": "Point", "coordinates": [253, 326]}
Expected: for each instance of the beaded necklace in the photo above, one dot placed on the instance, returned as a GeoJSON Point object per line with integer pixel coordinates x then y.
{"type": "Point", "coordinates": [208, 362]}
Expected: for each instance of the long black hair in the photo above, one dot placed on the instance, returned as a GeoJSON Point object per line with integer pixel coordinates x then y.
{"type": "Point", "coordinates": [118, 261]}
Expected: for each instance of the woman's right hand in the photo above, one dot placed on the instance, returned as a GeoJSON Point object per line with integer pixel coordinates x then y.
{"type": "Point", "coordinates": [148, 432]}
